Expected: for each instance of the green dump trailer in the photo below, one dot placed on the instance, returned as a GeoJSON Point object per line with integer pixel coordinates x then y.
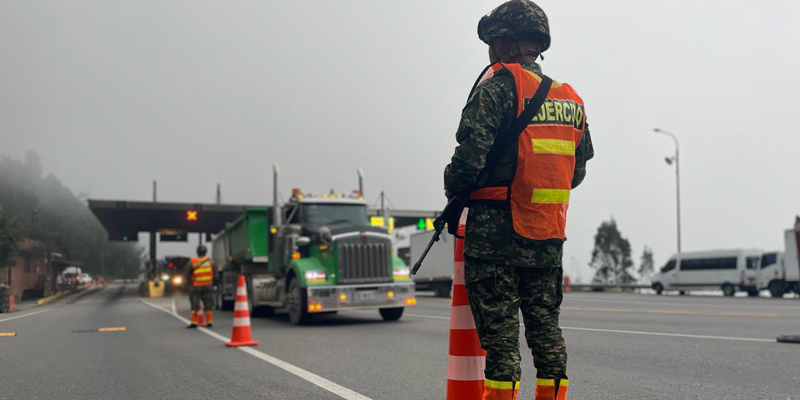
{"type": "Point", "coordinates": [311, 255]}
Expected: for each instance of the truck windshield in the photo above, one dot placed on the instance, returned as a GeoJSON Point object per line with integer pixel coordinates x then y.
{"type": "Point", "coordinates": [325, 214]}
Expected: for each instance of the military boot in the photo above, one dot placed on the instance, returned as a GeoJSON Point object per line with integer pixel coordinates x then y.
{"type": "Point", "coordinates": [551, 389]}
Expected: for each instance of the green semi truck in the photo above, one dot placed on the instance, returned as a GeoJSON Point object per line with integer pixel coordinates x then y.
{"type": "Point", "coordinates": [311, 255]}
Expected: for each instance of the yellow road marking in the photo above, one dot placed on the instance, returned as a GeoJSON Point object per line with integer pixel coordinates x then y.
{"type": "Point", "coordinates": [677, 312]}
{"type": "Point", "coordinates": [113, 329]}
{"type": "Point", "coordinates": [6, 334]}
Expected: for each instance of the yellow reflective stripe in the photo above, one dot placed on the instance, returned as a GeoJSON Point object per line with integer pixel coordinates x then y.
{"type": "Point", "coordinates": [551, 196]}
{"type": "Point", "coordinates": [564, 383]}
{"type": "Point", "coordinates": [202, 278]}
{"type": "Point", "coordinates": [500, 384]}
{"type": "Point", "coordinates": [545, 382]}
{"type": "Point", "coordinates": [202, 270]}
{"type": "Point", "coordinates": [553, 146]}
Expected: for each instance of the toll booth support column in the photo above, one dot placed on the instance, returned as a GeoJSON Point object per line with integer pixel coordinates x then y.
{"type": "Point", "coordinates": [154, 272]}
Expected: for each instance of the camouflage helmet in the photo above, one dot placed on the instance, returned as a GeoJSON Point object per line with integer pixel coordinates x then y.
{"type": "Point", "coordinates": [515, 19]}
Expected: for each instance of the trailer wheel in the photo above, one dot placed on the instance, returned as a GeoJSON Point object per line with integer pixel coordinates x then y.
{"type": "Point", "coordinates": [224, 305]}
{"type": "Point", "coordinates": [442, 289]}
{"type": "Point", "coordinates": [391, 314]}
{"type": "Point", "coordinates": [777, 289]}
{"type": "Point", "coordinates": [297, 304]}
{"type": "Point", "coordinates": [728, 290]}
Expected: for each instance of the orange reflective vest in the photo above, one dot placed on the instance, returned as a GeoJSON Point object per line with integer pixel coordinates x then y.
{"type": "Point", "coordinates": [202, 272]}
{"type": "Point", "coordinates": [538, 194]}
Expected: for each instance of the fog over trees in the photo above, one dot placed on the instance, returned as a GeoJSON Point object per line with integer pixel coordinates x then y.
{"type": "Point", "coordinates": [43, 209]}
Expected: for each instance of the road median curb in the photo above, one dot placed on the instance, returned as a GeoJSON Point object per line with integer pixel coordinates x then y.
{"type": "Point", "coordinates": [55, 297]}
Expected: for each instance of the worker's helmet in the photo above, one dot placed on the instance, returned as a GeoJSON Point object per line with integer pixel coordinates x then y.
{"type": "Point", "coordinates": [201, 250]}
{"type": "Point", "coordinates": [516, 19]}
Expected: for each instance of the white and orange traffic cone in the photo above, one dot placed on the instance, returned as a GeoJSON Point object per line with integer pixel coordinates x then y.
{"type": "Point", "coordinates": [466, 358]}
{"type": "Point", "coordinates": [241, 336]}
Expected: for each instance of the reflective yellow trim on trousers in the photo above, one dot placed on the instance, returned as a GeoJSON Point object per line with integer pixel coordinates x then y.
{"type": "Point", "coordinates": [550, 196]}
{"type": "Point", "coordinates": [553, 146]}
{"type": "Point", "coordinates": [551, 382]}
{"type": "Point", "coordinates": [503, 385]}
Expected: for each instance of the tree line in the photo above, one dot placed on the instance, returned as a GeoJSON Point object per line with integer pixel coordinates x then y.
{"type": "Point", "coordinates": [40, 207]}
{"type": "Point", "coordinates": [612, 260]}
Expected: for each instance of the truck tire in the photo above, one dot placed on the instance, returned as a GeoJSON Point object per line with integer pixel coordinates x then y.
{"type": "Point", "coordinates": [391, 314]}
{"type": "Point", "coordinates": [223, 305]}
{"type": "Point", "coordinates": [658, 288]}
{"type": "Point", "coordinates": [777, 289]}
{"type": "Point", "coordinates": [728, 290]}
{"type": "Point", "coordinates": [297, 304]}
{"type": "Point", "coordinates": [442, 289]}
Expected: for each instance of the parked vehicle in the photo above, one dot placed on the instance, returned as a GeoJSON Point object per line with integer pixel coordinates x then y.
{"type": "Point", "coordinates": [780, 271]}
{"type": "Point", "coordinates": [311, 255]}
{"type": "Point", "coordinates": [437, 274]}
{"type": "Point", "coordinates": [728, 270]}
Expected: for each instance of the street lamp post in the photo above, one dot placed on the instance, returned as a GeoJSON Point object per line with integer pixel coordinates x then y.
{"type": "Point", "coordinates": [669, 160]}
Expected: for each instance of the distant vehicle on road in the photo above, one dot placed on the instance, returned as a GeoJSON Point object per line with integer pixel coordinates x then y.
{"type": "Point", "coordinates": [728, 270]}
{"type": "Point", "coordinates": [437, 272]}
{"type": "Point", "coordinates": [85, 279]}
{"type": "Point", "coordinates": [780, 271]}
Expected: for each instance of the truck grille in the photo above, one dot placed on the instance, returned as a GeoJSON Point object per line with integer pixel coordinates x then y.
{"type": "Point", "coordinates": [365, 262]}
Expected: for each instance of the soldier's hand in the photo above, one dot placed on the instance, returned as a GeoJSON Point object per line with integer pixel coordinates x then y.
{"type": "Point", "coordinates": [448, 194]}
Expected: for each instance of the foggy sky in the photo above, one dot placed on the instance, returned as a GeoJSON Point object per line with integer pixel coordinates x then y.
{"type": "Point", "coordinates": [114, 94]}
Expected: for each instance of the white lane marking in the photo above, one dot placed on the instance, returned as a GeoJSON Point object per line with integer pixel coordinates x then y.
{"type": "Point", "coordinates": [174, 310]}
{"type": "Point", "coordinates": [341, 391]}
{"type": "Point", "coordinates": [631, 332]}
{"type": "Point", "coordinates": [671, 334]}
{"type": "Point", "coordinates": [26, 315]}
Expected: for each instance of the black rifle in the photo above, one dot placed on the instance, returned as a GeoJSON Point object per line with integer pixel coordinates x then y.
{"type": "Point", "coordinates": [455, 206]}
{"type": "Point", "coordinates": [450, 216]}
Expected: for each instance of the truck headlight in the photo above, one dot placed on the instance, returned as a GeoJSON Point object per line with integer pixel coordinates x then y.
{"type": "Point", "coordinates": [401, 273]}
{"type": "Point", "coordinates": [165, 277]}
{"type": "Point", "coordinates": [177, 280]}
{"type": "Point", "coordinates": [315, 276]}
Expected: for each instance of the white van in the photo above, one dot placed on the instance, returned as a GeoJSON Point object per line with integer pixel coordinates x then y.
{"type": "Point", "coordinates": [729, 270]}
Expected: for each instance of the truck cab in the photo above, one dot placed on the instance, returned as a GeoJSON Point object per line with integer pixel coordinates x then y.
{"type": "Point", "coordinates": [313, 255]}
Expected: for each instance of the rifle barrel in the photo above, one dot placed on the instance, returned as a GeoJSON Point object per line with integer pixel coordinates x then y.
{"type": "Point", "coordinates": [434, 239]}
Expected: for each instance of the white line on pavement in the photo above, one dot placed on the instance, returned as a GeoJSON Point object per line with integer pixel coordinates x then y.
{"type": "Point", "coordinates": [670, 334]}
{"type": "Point", "coordinates": [174, 310]}
{"type": "Point", "coordinates": [26, 315]}
{"type": "Point", "coordinates": [631, 332]}
{"type": "Point", "coordinates": [341, 391]}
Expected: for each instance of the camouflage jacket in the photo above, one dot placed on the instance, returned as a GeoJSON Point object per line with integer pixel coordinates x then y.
{"type": "Point", "coordinates": [489, 111]}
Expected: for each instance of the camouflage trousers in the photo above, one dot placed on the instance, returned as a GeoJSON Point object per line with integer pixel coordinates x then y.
{"type": "Point", "coordinates": [204, 293]}
{"type": "Point", "coordinates": [496, 294]}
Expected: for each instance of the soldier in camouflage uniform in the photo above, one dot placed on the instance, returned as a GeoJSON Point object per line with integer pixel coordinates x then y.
{"type": "Point", "coordinates": [505, 273]}
{"type": "Point", "coordinates": [201, 274]}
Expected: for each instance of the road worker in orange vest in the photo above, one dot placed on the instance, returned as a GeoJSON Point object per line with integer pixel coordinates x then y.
{"type": "Point", "coordinates": [516, 170]}
{"type": "Point", "coordinates": [202, 277]}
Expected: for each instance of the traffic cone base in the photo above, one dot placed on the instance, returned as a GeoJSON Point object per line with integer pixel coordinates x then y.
{"type": "Point", "coordinates": [242, 335]}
